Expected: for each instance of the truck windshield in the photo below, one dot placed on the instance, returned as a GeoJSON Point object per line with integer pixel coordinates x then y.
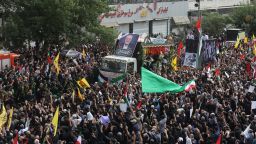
{"type": "Point", "coordinates": [113, 66]}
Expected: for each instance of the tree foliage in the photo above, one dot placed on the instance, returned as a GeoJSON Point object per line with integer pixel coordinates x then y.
{"type": "Point", "coordinates": [54, 22]}
{"type": "Point", "coordinates": [245, 17]}
{"type": "Point", "coordinates": [214, 23]}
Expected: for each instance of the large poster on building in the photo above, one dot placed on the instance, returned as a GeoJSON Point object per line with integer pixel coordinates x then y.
{"type": "Point", "coordinates": [191, 53]}
{"type": "Point", "coordinates": [209, 51]}
{"type": "Point", "coordinates": [127, 45]}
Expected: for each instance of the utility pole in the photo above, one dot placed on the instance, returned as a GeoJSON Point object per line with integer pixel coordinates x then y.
{"type": "Point", "coordinates": [2, 27]}
{"type": "Point", "coordinates": [197, 4]}
{"type": "Point", "coordinates": [198, 62]}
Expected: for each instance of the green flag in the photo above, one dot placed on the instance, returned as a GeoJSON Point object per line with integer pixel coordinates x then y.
{"type": "Point", "coordinates": [153, 83]}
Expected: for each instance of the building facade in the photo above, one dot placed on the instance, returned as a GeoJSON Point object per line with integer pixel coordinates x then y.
{"type": "Point", "coordinates": [220, 6]}
{"type": "Point", "coordinates": [161, 16]}
{"type": "Point", "coordinates": [151, 18]}
{"type": "Point", "coordinates": [216, 4]}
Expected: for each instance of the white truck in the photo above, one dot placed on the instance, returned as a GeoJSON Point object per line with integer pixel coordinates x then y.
{"type": "Point", "coordinates": [113, 66]}
{"type": "Point", "coordinates": [127, 58]}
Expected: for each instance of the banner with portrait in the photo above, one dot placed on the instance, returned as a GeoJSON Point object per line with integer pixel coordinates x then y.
{"type": "Point", "coordinates": [209, 51]}
{"type": "Point", "coordinates": [191, 46]}
{"type": "Point", "coordinates": [190, 60]}
{"type": "Point", "coordinates": [191, 53]}
{"type": "Point", "coordinates": [126, 45]}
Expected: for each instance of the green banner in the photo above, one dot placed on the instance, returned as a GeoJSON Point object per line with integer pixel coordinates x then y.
{"type": "Point", "coordinates": [153, 83]}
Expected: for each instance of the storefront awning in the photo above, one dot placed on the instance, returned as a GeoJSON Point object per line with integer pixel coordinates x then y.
{"type": "Point", "coordinates": [114, 24]}
{"type": "Point", "coordinates": [180, 20]}
{"type": "Point", "coordinates": [142, 20]}
{"type": "Point", "coordinates": [125, 21]}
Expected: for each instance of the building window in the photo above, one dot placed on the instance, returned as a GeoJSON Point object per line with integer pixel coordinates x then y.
{"type": "Point", "coordinates": [150, 27]}
{"type": "Point", "coordinates": [130, 27]}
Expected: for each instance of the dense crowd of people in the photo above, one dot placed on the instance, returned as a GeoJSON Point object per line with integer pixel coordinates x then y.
{"type": "Point", "coordinates": [219, 105]}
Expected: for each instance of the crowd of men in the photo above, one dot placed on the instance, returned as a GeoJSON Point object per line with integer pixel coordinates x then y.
{"type": "Point", "coordinates": [219, 106]}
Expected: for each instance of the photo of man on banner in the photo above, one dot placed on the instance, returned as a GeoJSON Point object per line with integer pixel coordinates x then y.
{"type": "Point", "coordinates": [191, 53]}
{"type": "Point", "coordinates": [127, 45]}
{"type": "Point", "coordinates": [127, 41]}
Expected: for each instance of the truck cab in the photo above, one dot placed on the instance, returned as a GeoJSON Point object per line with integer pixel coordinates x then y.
{"type": "Point", "coordinates": [7, 59]}
{"type": "Point", "coordinates": [113, 66]}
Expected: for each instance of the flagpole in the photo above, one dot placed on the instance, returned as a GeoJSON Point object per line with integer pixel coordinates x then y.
{"type": "Point", "coordinates": [198, 62]}
{"type": "Point", "coordinates": [199, 9]}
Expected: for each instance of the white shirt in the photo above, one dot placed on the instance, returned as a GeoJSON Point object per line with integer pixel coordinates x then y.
{"type": "Point", "coordinates": [125, 47]}
{"type": "Point", "coordinates": [188, 140]}
{"type": "Point", "coordinates": [76, 121]}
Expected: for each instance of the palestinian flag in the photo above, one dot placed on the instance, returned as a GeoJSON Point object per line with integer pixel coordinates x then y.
{"type": "Point", "coordinates": [217, 72]}
{"type": "Point", "coordinates": [139, 104]}
{"type": "Point", "coordinates": [242, 57]}
{"type": "Point", "coordinates": [208, 67]}
{"type": "Point", "coordinates": [49, 59]}
{"type": "Point", "coordinates": [219, 139]}
{"type": "Point", "coordinates": [126, 98]}
{"type": "Point", "coordinates": [79, 140]}
{"type": "Point", "coordinates": [15, 139]}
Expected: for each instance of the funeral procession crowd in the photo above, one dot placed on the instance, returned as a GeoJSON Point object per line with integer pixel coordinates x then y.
{"type": "Point", "coordinates": [44, 103]}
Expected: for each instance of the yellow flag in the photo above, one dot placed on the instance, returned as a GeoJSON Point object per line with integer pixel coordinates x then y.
{"type": "Point", "coordinates": [110, 101]}
{"type": "Point", "coordinates": [83, 83]}
{"type": "Point", "coordinates": [55, 120]}
{"type": "Point", "coordinates": [174, 64]}
{"type": "Point", "coordinates": [254, 50]}
{"type": "Point", "coordinates": [79, 94]}
{"type": "Point", "coordinates": [3, 117]}
{"type": "Point", "coordinates": [56, 63]}
{"type": "Point", "coordinates": [144, 51]}
{"type": "Point", "coordinates": [253, 39]}
{"type": "Point", "coordinates": [83, 54]}
{"type": "Point", "coordinates": [73, 95]}
{"type": "Point", "coordinates": [237, 42]}
{"type": "Point", "coordinates": [10, 119]}
{"type": "Point", "coordinates": [245, 40]}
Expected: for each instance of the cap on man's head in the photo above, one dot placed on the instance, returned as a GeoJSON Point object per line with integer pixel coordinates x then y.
{"type": "Point", "coordinates": [180, 139]}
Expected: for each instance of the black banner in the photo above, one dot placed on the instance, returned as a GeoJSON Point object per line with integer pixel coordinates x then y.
{"type": "Point", "coordinates": [209, 51]}
{"type": "Point", "coordinates": [191, 46]}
